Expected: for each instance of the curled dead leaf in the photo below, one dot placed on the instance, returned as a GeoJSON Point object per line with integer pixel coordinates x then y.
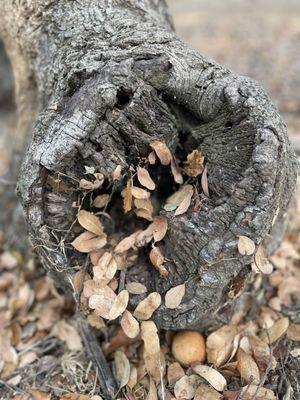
{"type": "Point", "coordinates": [219, 344]}
{"type": "Point", "coordinates": [162, 151]}
{"type": "Point", "coordinates": [157, 259]}
{"type": "Point", "coordinates": [261, 262]}
{"type": "Point", "coordinates": [193, 166]}
{"type": "Point", "coordinates": [204, 182]}
{"type": "Point", "coordinates": [176, 198]}
{"type": "Point", "coordinates": [117, 173]}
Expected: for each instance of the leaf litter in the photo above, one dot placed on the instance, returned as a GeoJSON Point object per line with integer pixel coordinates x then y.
{"type": "Point", "coordinates": [242, 350]}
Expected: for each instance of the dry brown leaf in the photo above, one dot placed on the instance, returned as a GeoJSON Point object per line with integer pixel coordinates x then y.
{"type": "Point", "coordinates": [176, 198]}
{"type": "Point", "coordinates": [160, 228]}
{"type": "Point", "coordinates": [142, 213]}
{"type": "Point", "coordinates": [145, 204]}
{"type": "Point", "coordinates": [184, 205]}
{"type": "Point", "coordinates": [246, 246]}
{"type": "Point", "coordinates": [205, 392]}
{"type": "Point", "coordinates": [261, 353]}
{"type": "Point", "coordinates": [146, 307]}
{"type": "Point", "coordinates": [139, 193]}
{"type": "Point", "coordinates": [152, 158]}
{"type": "Point", "coordinates": [102, 301]}
{"type": "Point", "coordinates": [278, 329]}
{"type": "Point", "coordinates": [247, 367]}
{"type": "Point", "coordinates": [145, 179]}
{"type": "Point", "coordinates": [101, 201]}
{"type": "Point", "coordinates": [106, 268]}
{"type": "Point", "coordinates": [27, 358]}
{"type": "Point", "coordinates": [185, 387]}
{"type": "Point", "coordinates": [174, 373]}
{"type": "Point", "coordinates": [122, 368]}
{"type": "Point", "coordinates": [90, 222]}
{"type": "Point", "coordinates": [219, 344]}
{"type": "Point", "coordinates": [249, 391]}
{"type": "Point", "coordinates": [133, 379]}
{"type": "Point", "coordinates": [39, 394]}
{"type": "Point", "coordinates": [136, 288]}
{"type": "Point", "coordinates": [176, 172]}
{"type": "Point", "coordinates": [150, 337]}
{"type": "Point", "coordinates": [212, 376]}
{"type": "Point", "coordinates": [130, 325]}
{"type": "Point", "coordinates": [293, 332]}
{"type": "Point", "coordinates": [88, 185]}
{"type": "Point", "coordinates": [127, 243]}
{"type": "Point", "coordinates": [157, 259]}
{"type": "Point", "coordinates": [204, 182]}
{"type": "Point", "coordinates": [261, 262]}
{"type": "Point", "coordinates": [88, 241]}
{"type": "Point", "coordinates": [162, 151]}
{"type": "Point", "coordinates": [152, 394]}
{"type": "Point", "coordinates": [174, 296]}
{"type": "Point", "coordinates": [119, 305]}
{"type": "Point", "coordinates": [155, 365]}
{"type": "Point", "coordinates": [117, 173]}
{"type": "Point", "coordinates": [194, 164]}
{"type": "Point", "coordinates": [127, 202]}
{"type": "Point", "coordinates": [66, 332]}
{"type": "Point", "coordinates": [95, 321]}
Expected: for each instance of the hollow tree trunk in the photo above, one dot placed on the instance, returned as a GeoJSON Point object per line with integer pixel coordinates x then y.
{"type": "Point", "coordinates": [106, 78]}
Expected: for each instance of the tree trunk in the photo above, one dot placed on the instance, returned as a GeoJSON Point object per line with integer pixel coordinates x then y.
{"type": "Point", "coordinates": [106, 78]}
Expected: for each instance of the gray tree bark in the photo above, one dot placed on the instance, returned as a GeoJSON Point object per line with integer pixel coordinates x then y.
{"type": "Point", "coordinates": [103, 78]}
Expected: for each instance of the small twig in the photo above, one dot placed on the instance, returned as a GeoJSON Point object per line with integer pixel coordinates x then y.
{"type": "Point", "coordinates": [106, 380]}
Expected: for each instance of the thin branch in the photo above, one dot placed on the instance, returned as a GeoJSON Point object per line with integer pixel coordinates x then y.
{"type": "Point", "coordinates": [106, 379]}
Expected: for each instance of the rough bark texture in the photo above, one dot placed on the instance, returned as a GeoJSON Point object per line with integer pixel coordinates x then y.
{"type": "Point", "coordinates": [112, 76]}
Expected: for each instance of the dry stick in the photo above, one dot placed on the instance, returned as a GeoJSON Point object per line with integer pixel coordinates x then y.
{"type": "Point", "coordinates": [107, 382]}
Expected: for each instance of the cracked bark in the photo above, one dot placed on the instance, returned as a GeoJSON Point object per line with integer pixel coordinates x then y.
{"type": "Point", "coordinates": [119, 78]}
